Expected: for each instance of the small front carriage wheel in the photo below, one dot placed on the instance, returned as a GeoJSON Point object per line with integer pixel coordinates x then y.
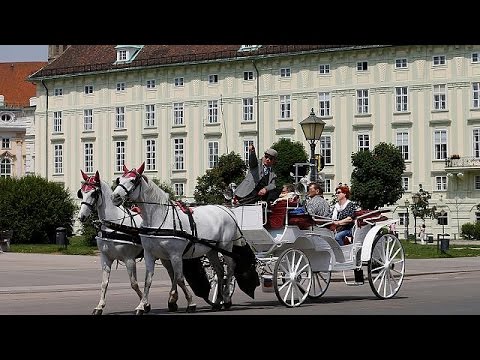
{"type": "Point", "coordinates": [386, 267]}
{"type": "Point", "coordinates": [292, 277]}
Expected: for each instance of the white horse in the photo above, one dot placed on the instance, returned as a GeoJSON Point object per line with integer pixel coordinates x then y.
{"type": "Point", "coordinates": [170, 234]}
{"type": "Point", "coordinates": [113, 244]}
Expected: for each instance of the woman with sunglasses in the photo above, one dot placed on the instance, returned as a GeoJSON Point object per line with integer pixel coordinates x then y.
{"type": "Point", "coordinates": [343, 214]}
{"type": "Point", "coordinates": [260, 180]}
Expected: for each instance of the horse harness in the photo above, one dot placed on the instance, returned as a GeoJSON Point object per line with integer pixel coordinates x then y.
{"type": "Point", "coordinates": [181, 233]}
{"type": "Point", "coordinates": [120, 232]}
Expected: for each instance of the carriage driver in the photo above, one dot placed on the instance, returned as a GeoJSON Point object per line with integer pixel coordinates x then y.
{"type": "Point", "coordinates": [260, 180]}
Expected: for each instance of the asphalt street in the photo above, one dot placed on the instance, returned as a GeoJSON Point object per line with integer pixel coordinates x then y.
{"type": "Point", "coordinates": [32, 265]}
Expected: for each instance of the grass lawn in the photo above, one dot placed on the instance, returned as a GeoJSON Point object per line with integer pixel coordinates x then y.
{"type": "Point", "coordinates": [418, 251]}
{"type": "Point", "coordinates": [77, 246]}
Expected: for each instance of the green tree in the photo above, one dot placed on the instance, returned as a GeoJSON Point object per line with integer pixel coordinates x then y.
{"type": "Point", "coordinates": [289, 153]}
{"type": "Point", "coordinates": [211, 186]}
{"type": "Point", "coordinates": [33, 208]}
{"type": "Point", "coordinates": [377, 176]}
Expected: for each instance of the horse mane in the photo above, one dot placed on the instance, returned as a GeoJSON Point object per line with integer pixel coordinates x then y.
{"type": "Point", "coordinates": [155, 193]}
{"type": "Point", "coordinates": [105, 188]}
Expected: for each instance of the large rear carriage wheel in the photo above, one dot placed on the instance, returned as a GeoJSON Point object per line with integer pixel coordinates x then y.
{"type": "Point", "coordinates": [320, 282]}
{"type": "Point", "coordinates": [386, 267]}
{"type": "Point", "coordinates": [292, 277]}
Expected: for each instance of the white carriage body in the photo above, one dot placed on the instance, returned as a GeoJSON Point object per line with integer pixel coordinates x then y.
{"type": "Point", "coordinates": [297, 263]}
{"type": "Point", "coordinates": [319, 244]}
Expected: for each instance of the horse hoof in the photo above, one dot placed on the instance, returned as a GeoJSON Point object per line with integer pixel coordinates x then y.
{"type": "Point", "coordinates": [172, 307]}
{"type": "Point", "coordinates": [139, 312]}
{"type": "Point", "coordinates": [191, 308]}
{"type": "Point", "coordinates": [148, 307]}
{"type": "Point", "coordinates": [216, 307]}
{"type": "Point", "coordinates": [97, 312]}
{"type": "Point", "coordinates": [227, 305]}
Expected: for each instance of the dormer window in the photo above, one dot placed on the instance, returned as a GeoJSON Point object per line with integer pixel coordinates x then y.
{"type": "Point", "coordinates": [122, 55]}
{"type": "Point", "coordinates": [249, 47]}
{"type": "Point", "coordinates": [127, 53]}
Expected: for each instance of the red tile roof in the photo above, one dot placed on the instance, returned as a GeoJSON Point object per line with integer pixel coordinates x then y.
{"type": "Point", "coordinates": [89, 58]}
{"type": "Point", "coordinates": [14, 86]}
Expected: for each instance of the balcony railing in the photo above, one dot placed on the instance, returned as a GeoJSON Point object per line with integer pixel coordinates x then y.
{"type": "Point", "coordinates": [463, 162]}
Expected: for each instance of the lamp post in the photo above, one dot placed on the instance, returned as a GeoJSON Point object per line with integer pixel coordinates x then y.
{"type": "Point", "coordinates": [312, 128]}
{"type": "Point", "coordinates": [416, 200]}
{"type": "Point", "coordinates": [456, 207]}
{"type": "Point", "coordinates": [407, 220]}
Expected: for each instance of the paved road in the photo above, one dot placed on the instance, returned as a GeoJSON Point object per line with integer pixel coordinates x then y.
{"type": "Point", "coordinates": [30, 271]}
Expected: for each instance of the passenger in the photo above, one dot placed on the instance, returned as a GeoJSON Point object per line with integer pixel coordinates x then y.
{"type": "Point", "coordinates": [343, 214]}
{"type": "Point", "coordinates": [288, 193]}
{"type": "Point", "coordinates": [259, 184]}
{"type": "Point", "coordinates": [316, 204]}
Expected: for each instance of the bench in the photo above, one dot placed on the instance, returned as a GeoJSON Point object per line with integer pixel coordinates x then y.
{"type": "Point", "coordinates": [5, 238]}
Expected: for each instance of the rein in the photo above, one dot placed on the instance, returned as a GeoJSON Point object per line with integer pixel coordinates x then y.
{"type": "Point", "coordinates": [193, 238]}
{"type": "Point", "coordinates": [183, 234]}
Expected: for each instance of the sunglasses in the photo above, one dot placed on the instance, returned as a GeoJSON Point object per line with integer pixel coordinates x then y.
{"type": "Point", "coordinates": [338, 192]}
{"type": "Point", "coordinates": [268, 157]}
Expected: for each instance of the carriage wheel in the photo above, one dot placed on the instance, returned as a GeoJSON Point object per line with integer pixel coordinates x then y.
{"type": "Point", "coordinates": [386, 267]}
{"type": "Point", "coordinates": [292, 277]}
{"type": "Point", "coordinates": [212, 296]}
{"type": "Point", "coordinates": [213, 279]}
{"type": "Point", "coordinates": [320, 282]}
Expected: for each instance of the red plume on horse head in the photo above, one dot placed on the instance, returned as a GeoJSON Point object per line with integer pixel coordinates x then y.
{"type": "Point", "coordinates": [91, 180]}
{"type": "Point", "coordinates": [139, 170]}
{"type": "Point", "coordinates": [85, 176]}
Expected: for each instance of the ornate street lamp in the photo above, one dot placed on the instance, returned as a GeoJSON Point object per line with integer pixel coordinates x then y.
{"type": "Point", "coordinates": [312, 127]}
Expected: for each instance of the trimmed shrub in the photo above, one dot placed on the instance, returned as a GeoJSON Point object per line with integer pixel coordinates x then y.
{"type": "Point", "coordinates": [33, 208]}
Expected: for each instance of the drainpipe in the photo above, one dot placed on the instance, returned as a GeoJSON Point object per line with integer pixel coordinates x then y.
{"type": "Point", "coordinates": [46, 131]}
{"type": "Point", "coordinates": [258, 107]}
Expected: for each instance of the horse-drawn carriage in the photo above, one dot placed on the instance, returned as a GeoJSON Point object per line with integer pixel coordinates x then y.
{"type": "Point", "coordinates": [296, 260]}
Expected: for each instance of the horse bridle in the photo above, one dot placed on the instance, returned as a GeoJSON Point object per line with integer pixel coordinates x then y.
{"type": "Point", "coordinates": [136, 182]}
{"type": "Point", "coordinates": [95, 195]}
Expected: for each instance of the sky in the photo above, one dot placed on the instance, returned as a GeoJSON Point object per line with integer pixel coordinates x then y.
{"type": "Point", "coordinates": [21, 53]}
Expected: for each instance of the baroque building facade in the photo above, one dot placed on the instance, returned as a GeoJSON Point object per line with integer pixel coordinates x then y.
{"type": "Point", "coordinates": [17, 118]}
{"type": "Point", "coordinates": [179, 108]}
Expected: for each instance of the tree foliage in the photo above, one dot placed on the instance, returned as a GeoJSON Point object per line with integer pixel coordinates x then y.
{"type": "Point", "coordinates": [289, 153]}
{"type": "Point", "coordinates": [211, 186]}
{"type": "Point", "coordinates": [377, 176]}
{"type": "Point", "coordinates": [33, 208]}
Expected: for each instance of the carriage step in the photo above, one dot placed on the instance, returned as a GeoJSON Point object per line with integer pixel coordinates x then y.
{"type": "Point", "coordinates": [358, 275]}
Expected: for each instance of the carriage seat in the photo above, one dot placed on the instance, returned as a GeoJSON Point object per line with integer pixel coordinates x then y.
{"type": "Point", "coordinates": [365, 216]}
{"type": "Point", "coordinates": [277, 216]}
{"type": "Point", "coordinates": [277, 213]}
